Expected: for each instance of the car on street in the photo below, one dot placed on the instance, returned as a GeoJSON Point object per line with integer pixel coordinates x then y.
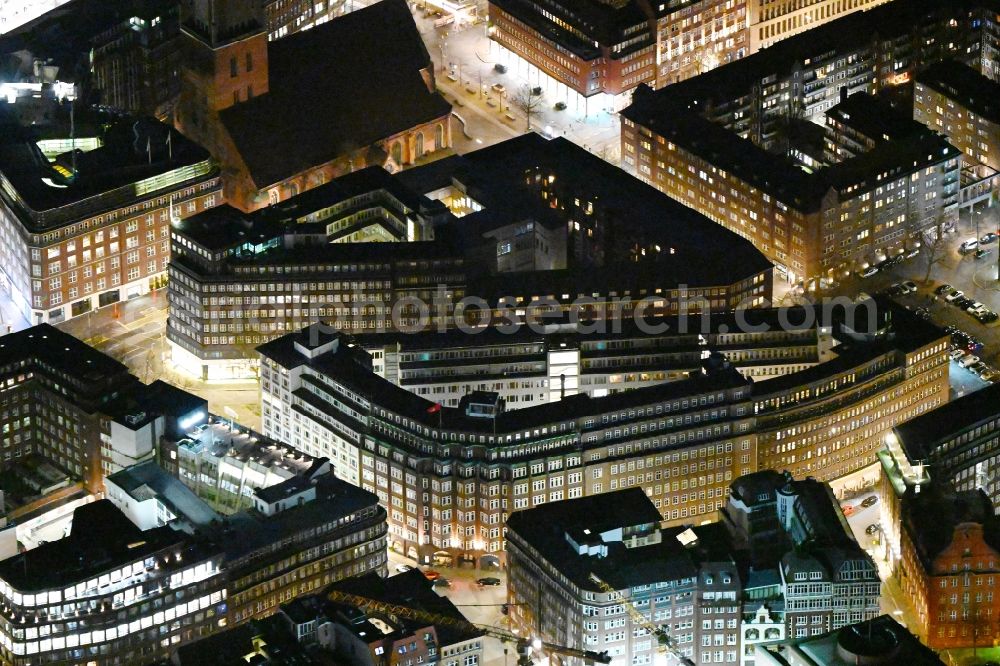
{"type": "Point", "coordinates": [943, 289]}
{"type": "Point", "coordinates": [499, 88]}
{"type": "Point", "coordinates": [403, 568]}
{"type": "Point", "coordinates": [872, 529]}
{"type": "Point", "coordinates": [987, 316]}
{"type": "Point", "coordinates": [969, 361]}
{"type": "Point", "coordinates": [979, 368]}
{"type": "Point", "coordinates": [489, 581]}
{"type": "Point", "coordinates": [956, 354]}
{"type": "Point", "coordinates": [968, 246]}
{"type": "Point", "coordinates": [990, 375]}
{"type": "Point", "coordinates": [988, 238]}
{"type": "Point", "coordinates": [441, 582]}
{"type": "Point", "coordinates": [953, 296]}
{"type": "Point", "coordinates": [848, 509]}
{"type": "Point", "coordinates": [982, 254]}
{"type": "Point", "coordinates": [909, 286]}
{"type": "Point", "coordinates": [895, 290]}
{"type": "Point", "coordinates": [868, 272]}
{"type": "Point", "coordinates": [869, 501]}
{"type": "Point", "coordinates": [430, 574]}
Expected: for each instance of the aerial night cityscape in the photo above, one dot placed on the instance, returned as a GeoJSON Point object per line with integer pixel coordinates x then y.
{"type": "Point", "coordinates": [500, 332]}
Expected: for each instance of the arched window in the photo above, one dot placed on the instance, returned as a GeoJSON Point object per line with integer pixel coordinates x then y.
{"type": "Point", "coordinates": [397, 152]}
{"type": "Point", "coordinates": [439, 138]}
{"type": "Point", "coordinates": [420, 145]}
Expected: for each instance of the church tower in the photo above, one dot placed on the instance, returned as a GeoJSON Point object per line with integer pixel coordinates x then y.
{"type": "Point", "coordinates": [224, 61]}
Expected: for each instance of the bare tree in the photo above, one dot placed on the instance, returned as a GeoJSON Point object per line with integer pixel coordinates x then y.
{"type": "Point", "coordinates": [528, 100]}
{"type": "Point", "coordinates": [933, 246]}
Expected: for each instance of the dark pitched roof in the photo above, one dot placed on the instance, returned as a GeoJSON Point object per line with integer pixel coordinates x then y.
{"type": "Point", "coordinates": [966, 86]}
{"type": "Point", "coordinates": [931, 515]}
{"type": "Point", "coordinates": [335, 88]}
{"type": "Point", "coordinates": [920, 436]}
{"type": "Point", "coordinates": [60, 351]}
{"type": "Point", "coordinates": [874, 117]}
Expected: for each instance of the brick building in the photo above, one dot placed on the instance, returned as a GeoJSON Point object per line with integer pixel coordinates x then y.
{"type": "Point", "coordinates": [81, 232]}
{"type": "Point", "coordinates": [254, 104]}
{"type": "Point", "coordinates": [950, 565]}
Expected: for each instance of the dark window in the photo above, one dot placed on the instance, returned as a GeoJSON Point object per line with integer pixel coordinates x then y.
{"type": "Point", "coordinates": [249, 62]}
{"type": "Point", "coordinates": [249, 92]}
{"type": "Point", "coordinates": [232, 66]}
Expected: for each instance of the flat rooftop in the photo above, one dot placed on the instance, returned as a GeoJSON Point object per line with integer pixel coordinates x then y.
{"type": "Point", "coordinates": [965, 86]}
{"type": "Point", "coordinates": [133, 150]}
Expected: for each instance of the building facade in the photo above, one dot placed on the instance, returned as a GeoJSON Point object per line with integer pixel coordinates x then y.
{"type": "Point", "coordinates": [238, 90]}
{"type": "Point", "coordinates": [816, 224]}
{"type": "Point", "coordinates": [109, 592]}
{"type": "Point", "coordinates": [427, 248]}
{"type": "Point", "coordinates": [82, 233]}
{"type": "Point", "coordinates": [948, 569]}
{"type": "Point", "coordinates": [449, 476]}
{"type": "Point", "coordinates": [959, 102]}
{"type": "Point", "coordinates": [574, 565]}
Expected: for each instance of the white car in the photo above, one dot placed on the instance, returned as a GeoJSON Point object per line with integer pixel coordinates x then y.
{"type": "Point", "coordinates": [956, 354]}
{"type": "Point", "coordinates": [403, 568]}
{"type": "Point", "coordinates": [968, 246]}
{"type": "Point", "coordinates": [954, 296]}
{"type": "Point", "coordinates": [969, 360]}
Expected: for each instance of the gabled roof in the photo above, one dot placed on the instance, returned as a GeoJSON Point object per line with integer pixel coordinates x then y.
{"type": "Point", "coordinates": [335, 88]}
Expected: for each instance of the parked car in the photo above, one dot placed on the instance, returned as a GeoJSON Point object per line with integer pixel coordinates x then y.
{"type": "Point", "coordinates": [956, 354]}
{"type": "Point", "coordinates": [869, 501]}
{"type": "Point", "coordinates": [872, 529]}
{"type": "Point", "coordinates": [499, 88]}
{"type": "Point", "coordinates": [968, 246]}
{"type": "Point", "coordinates": [909, 286]}
{"type": "Point", "coordinates": [442, 582]}
{"type": "Point", "coordinates": [403, 568]}
{"type": "Point", "coordinates": [982, 254]}
{"type": "Point", "coordinates": [895, 290]}
{"type": "Point", "coordinates": [848, 509]}
{"type": "Point", "coordinates": [430, 574]}
{"type": "Point", "coordinates": [488, 581]}
{"type": "Point", "coordinates": [987, 316]}
{"type": "Point", "coordinates": [969, 361]}
{"type": "Point", "coordinates": [943, 289]}
{"type": "Point", "coordinates": [979, 368]}
{"type": "Point", "coordinates": [868, 272]}
{"type": "Point", "coordinates": [963, 303]}
{"type": "Point", "coordinates": [953, 296]}
{"type": "Point", "coordinates": [988, 238]}
{"type": "Point", "coordinates": [990, 375]}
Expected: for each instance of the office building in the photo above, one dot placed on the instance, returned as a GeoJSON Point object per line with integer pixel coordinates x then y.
{"type": "Point", "coordinates": [450, 475]}
{"type": "Point", "coordinates": [224, 463]}
{"type": "Point", "coordinates": [287, 17]}
{"type": "Point", "coordinates": [81, 410]}
{"type": "Point", "coordinates": [573, 565]}
{"type": "Point", "coordinates": [299, 535]}
{"type": "Point", "coordinates": [85, 229]}
{"type": "Point", "coordinates": [961, 103]}
{"type": "Point", "coordinates": [954, 445]}
{"type": "Point", "coordinates": [536, 365]}
{"type": "Point", "coordinates": [880, 641]}
{"type": "Point", "coordinates": [254, 103]}
{"type": "Point", "coordinates": [591, 55]}
{"type": "Point", "coordinates": [795, 531]}
{"type": "Point", "coordinates": [109, 592]}
{"type": "Point", "coordinates": [375, 252]}
{"type": "Point", "coordinates": [316, 630]}
{"type": "Point", "coordinates": [817, 224]}
{"type": "Point", "coordinates": [770, 22]}
{"type": "Point", "coordinates": [949, 562]}
{"type": "Point", "coordinates": [135, 63]}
